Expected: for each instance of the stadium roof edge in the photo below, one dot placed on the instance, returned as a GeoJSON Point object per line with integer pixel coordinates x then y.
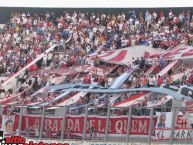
{"type": "Point", "coordinates": [97, 3]}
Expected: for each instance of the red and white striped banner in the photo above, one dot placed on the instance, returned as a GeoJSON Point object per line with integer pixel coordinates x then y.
{"type": "Point", "coordinates": [133, 100]}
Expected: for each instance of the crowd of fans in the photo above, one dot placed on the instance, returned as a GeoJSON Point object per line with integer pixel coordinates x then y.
{"type": "Point", "coordinates": [28, 35]}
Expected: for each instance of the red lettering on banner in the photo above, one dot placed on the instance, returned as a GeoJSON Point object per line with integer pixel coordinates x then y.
{"type": "Point", "coordinates": [117, 125]}
{"type": "Point", "coordinates": [181, 122]}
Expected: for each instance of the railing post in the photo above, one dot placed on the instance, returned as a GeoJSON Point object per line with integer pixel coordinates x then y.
{"type": "Point", "coordinates": [20, 118]}
{"type": "Point", "coordinates": [85, 122]}
{"type": "Point", "coordinates": [42, 122]}
{"type": "Point", "coordinates": [63, 123]}
{"type": "Point", "coordinates": [192, 132]}
{"type": "Point", "coordinates": [128, 124]}
{"type": "Point", "coordinates": [107, 123]}
{"type": "Point", "coordinates": [173, 125]}
{"type": "Point", "coordinates": [150, 125]}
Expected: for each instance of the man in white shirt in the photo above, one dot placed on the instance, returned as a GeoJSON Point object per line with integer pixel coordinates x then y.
{"type": "Point", "coordinates": [52, 80]}
{"type": "Point", "coordinates": [150, 81]}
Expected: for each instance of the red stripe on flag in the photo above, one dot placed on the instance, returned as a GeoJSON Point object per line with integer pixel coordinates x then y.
{"type": "Point", "coordinates": [131, 99]}
{"type": "Point", "coordinates": [108, 54]}
{"type": "Point", "coordinates": [120, 57]}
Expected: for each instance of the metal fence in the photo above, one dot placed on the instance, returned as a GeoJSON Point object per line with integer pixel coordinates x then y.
{"type": "Point", "coordinates": [131, 124]}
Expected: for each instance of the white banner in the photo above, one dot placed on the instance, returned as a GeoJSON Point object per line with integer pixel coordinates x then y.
{"type": "Point", "coordinates": [179, 134]}
{"type": "Point", "coordinates": [164, 119]}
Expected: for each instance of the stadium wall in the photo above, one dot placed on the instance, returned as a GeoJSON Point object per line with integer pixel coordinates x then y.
{"type": "Point", "coordinates": [5, 12]}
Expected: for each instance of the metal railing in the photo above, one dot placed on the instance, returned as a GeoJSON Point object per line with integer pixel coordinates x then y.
{"type": "Point", "coordinates": [131, 124]}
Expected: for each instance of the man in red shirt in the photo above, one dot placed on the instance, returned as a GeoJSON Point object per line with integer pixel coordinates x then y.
{"type": "Point", "coordinates": [87, 80]}
{"type": "Point", "coordinates": [160, 80]}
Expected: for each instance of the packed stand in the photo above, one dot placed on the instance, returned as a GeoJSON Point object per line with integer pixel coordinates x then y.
{"type": "Point", "coordinates": [27, 35]}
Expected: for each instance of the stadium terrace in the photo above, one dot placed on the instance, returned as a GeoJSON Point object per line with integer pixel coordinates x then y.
{"type": "Point", "coordinates": [105, 77]}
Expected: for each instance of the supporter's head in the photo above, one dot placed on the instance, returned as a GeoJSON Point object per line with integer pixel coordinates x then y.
{"type": "Point", "coordinates": [162, 120]}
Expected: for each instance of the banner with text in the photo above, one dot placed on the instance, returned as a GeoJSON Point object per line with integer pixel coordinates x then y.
{"type": "Point", "coordinates": [139, 125]}
{"type": "Point", "coordinates": [179, 134]}
{"type": "Point", "coordinates": [117, 124]}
